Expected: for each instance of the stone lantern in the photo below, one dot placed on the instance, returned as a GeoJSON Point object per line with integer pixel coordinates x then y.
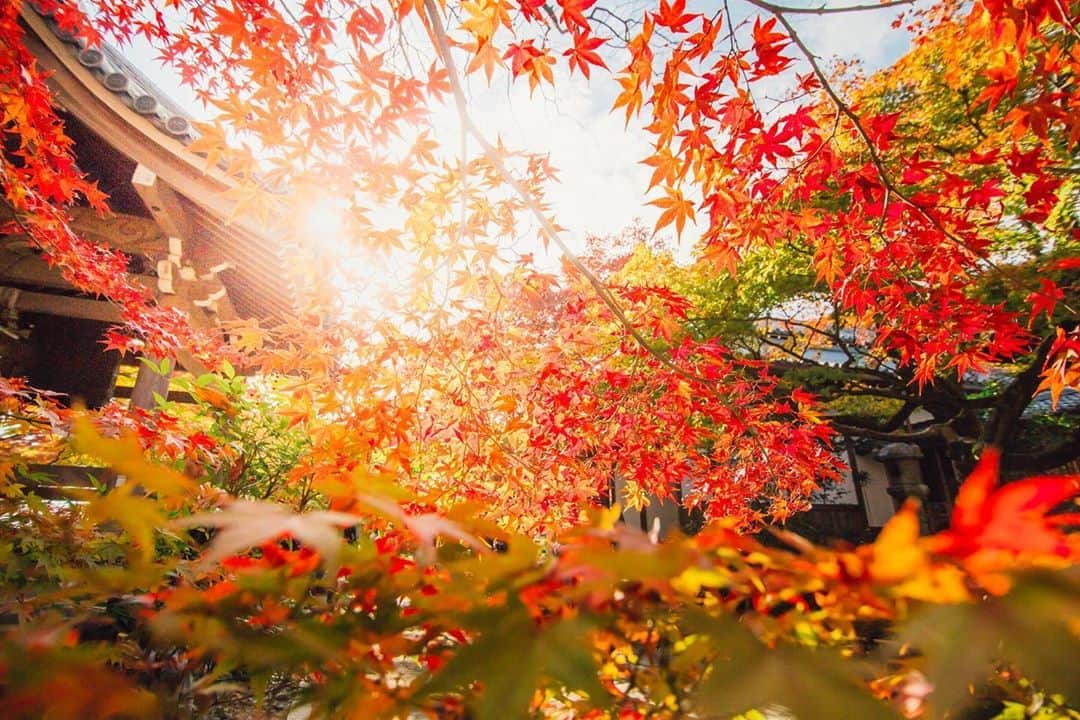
{"type": "Point", "coordinates": [901, 461]}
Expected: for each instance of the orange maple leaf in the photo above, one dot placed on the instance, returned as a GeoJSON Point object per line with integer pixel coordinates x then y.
{"type": "Point", "coordinates": [527, 59]}
{"type": "Point", "coordinates": [677, 209]}
{"type": "Point", "coordinates": [993, 526]}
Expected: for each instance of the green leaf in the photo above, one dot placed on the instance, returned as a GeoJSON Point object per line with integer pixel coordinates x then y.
{"type": "Point", "coordinates": [1028, 627]}
{"type": "Point", "coordinates": [139, 516]}
{"type": "Point", "coordinates": [1012, 711]}
{"type": "Point", "coordinates": [811, 684]}
{"type": "Point", "coordinates": [150, 364]}
{"type": "Point", "coordinates": [164, 367]}
{"type": "Point", "coordinates": [512, 656]}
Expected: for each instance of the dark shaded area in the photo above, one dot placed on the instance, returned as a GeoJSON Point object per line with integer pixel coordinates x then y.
{"type": "Point", "coordinates": [111, 170]}
{"type": "Point", "coordinates": [66, 355]}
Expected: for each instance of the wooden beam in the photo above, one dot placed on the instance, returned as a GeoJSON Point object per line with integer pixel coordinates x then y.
{"type": "Point", "coordinates": [18, 269]}
{"type": "Point", "coordinates": [194, 277]}
{"type": "Point", "coordinates": [30, 269]}
{"type": "Point", "coordinates": [62, 305]}
{"type": "Point", "coordinates": [129, 233]}
{"type": "Point", "coordinates": [164, 204]}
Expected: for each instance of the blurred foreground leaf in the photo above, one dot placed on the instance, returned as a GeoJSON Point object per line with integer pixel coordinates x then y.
{"type": "Point", "coordinates": [1034, 626]}
{"type": "Point", "coordinates": [810, 684]}
{"type": "Point", "coordinates": [511, 656]}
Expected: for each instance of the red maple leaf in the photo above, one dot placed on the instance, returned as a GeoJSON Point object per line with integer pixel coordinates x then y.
{"type": "Point", "coordinates": [1045, 299]}
{"type": "Point", "coordinates": [584, 53]}
{"type": "Point", "coordinates": [672, 15]}
{"type": "Point", "coordinates": [1013, 518]}
{"type": "Point", "coordinates": [767, 46]}
{"type": "Point", "coordinates": [574, 13]}
{"type": "Point", "coordinates": [530, 9]}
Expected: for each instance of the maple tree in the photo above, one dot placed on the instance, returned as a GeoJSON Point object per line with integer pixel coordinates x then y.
{"type": "Point", "coordinates": [482, 413]}
{"type": "Point", "coordinates": [781, 307]}
{"type": "Point", "coordinates": [892, 260]}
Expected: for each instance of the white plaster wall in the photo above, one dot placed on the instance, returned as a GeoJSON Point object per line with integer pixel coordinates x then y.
{"type": "Point", "coordinates": [879, 504]}
{"type": "Point", "coordinates": [667, 511]}
{"type": "Point", "coordinates": [841, 492]}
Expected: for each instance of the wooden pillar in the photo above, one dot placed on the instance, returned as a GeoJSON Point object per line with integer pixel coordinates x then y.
{"type": "Point", "coordinates": [149, 381]}
{"type": "Point", "coordinates": [856, 479]}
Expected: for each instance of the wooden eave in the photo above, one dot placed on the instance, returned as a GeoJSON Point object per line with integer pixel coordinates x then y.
{"type": "Point", "coordinates": [103, 111]}
{"type": "Point", "coordinates": [158, 141]}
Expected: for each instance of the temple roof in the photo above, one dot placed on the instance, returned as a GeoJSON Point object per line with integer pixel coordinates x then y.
{"type": "Point", "coordinates": [132, 138]}
{"type": "Point", "coordinates": [123, 79]}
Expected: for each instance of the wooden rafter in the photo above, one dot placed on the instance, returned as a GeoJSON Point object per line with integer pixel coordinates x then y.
{"type": "Point", "coordinates": [164, 204]}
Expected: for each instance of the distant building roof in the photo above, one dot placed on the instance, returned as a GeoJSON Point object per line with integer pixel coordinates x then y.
{"type": "Point", "coordinates": [1042, 404]}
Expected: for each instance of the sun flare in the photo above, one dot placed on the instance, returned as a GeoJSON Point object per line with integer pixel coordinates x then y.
{"type": "Point", "coordinates": [363, 278]}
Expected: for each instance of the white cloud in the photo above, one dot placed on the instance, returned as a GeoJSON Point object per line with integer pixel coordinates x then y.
{"type": "Point", "coordinates": [863, 35]}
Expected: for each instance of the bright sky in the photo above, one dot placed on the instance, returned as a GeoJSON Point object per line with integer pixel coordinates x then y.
{"type": "Point", "coordinates": [602, 183]}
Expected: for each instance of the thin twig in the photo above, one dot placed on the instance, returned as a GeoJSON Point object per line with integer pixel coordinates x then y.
{"type": "Point", "coordinates": [875, 157]}
{"type": "Point", "coordinates": [822, 10]}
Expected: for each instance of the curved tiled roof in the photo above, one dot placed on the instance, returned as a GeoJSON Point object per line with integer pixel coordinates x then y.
{"type": "Point", "coordinates": [1043, 404]}
{"type": "Point", "coordinates": [127, 82]}
{"type": "Point", "coordinates": [158, 131]}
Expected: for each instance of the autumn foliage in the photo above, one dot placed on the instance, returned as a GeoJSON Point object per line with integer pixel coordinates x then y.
{"type": "Point", "coordinates": [466, 431]}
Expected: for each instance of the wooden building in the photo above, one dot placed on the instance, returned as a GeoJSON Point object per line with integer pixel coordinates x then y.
{"type": "Point", "coordinates": [172, 219]}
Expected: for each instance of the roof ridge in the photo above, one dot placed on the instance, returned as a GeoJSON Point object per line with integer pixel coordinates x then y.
{"type": "Point", "coordinates": [120, 77]}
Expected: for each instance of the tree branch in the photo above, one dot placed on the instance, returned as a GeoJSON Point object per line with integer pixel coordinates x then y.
{"type": "Point", "coordinates": [1014, 398]}
{"type": "Point", "coordinates": [856, 431]}
{"type": "Point", "coordinates": [780, 12]}
{"type": "Point", "coordinates": [822, 10]}
{"type": "Point", "coordinates": [1045, 460]}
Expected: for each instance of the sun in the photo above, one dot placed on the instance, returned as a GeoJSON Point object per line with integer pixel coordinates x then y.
{"type": "Point", "coordinates": [366, 280]}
